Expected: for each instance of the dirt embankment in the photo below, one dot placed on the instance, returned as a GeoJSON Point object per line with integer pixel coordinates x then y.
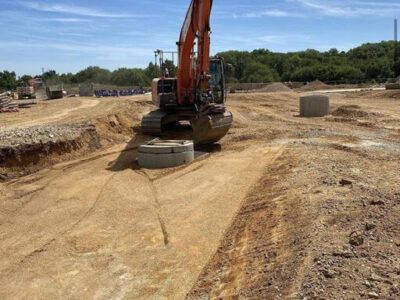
{"type": "Point", "coordinates": [47, 149]}
{"type": "Point", "coordinates": [28, 147]}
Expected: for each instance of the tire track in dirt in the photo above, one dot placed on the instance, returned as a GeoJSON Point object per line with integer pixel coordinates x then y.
{"type": "Point", "coordinates": [85, 103]}
{"type": "Point", "coordinates": [44, 247]}
{"type": "Point", "coordinates": [157, 205]}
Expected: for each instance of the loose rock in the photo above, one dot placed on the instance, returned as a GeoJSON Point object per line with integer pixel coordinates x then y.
{"type": "Point", "coordinates": [377, 202]}
{"type": "Point", "coordinates": [370, 226]}
{"type": "Point", "coordinates": [373, 295]}
{"type": "Point", "coordinates": [356, 239]}
{"type": "Point", "coordinates": [344, 182]}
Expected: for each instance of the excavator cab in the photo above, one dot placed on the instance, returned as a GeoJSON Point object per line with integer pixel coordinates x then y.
{"type": "Point", "coordinates": [164, 90]}
{"type": "Point", "coordinates": [217, 81]}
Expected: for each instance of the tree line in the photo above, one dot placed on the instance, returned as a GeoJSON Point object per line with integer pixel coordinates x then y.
{"type": "Point", "coordinates": [372, 62]}
{"type": "Point", "coordinates": [367, 63]}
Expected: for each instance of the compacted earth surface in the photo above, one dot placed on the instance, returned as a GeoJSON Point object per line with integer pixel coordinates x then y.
{"type": "Point", "coordinates": [284, 207]}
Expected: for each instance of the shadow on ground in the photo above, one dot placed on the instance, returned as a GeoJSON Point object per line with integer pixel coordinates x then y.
{"type": "Point", "coordinates": [128, 157]}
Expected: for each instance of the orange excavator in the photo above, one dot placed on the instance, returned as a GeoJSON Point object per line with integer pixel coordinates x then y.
{"type": "Point", "coordinates": [198, 93]}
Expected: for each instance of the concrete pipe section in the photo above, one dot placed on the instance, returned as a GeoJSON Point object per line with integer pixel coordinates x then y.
{"type": "Point", "coordinates": [314, 106]}
{"type": "Point", "coordinates": [159, 154]}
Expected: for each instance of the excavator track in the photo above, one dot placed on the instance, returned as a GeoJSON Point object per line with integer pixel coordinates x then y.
{"type": "Point", "coordinates": [207, 129]}
{"type": "Point", "coordinates": [152, 123]}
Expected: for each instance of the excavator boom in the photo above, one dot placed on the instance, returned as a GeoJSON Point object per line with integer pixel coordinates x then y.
{"type": "Point", "coordinates": [197, 24]}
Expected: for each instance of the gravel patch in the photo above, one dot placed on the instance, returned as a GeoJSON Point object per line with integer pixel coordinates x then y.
{"type": "Point", "coordinates": [39, 134]}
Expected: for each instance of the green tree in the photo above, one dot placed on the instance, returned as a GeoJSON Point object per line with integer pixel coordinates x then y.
{"type": "Point", "coordinates": [152, 71]}
{"type": "Point", "coordinates": [255, 72]}
{"type": "Point", "coordinates": [50, 76]}
{"type": "Point", "coordinates": [68, 78]}
{"type": "Point", "coordinates": [129, 77]}
{"type": "Point", "coordinates": [24, 80]}
{"type": "Point", "coordinates": [8, 80]}
{"type": "Point", "coordinates": [93, 74]}
{"type": "Point", "coordinates": [367, 62]}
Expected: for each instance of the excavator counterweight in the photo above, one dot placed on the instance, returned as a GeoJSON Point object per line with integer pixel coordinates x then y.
{"type": "Point", "coordinates": [198, 93]}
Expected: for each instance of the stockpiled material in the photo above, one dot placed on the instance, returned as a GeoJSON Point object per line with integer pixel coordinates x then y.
{"type": "Point", "coordinates": [315, 85]}
{"type": "Point", "coordinates": [276, 87]}
{"type": "Point", "coordinates": [314, 106]}
{"type": "Point", "coordinates": [6, 103]}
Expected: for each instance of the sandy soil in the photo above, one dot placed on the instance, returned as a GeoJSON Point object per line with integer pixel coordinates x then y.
{"type": "Point", "coordinates": [68, 110]}
{"type": "Point", "coordinates": [286, 208]}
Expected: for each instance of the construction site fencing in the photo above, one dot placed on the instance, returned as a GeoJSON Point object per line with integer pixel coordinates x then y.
{"type": "Point", "coordinates": [118, 93]}
{"type": "Point", "coordinates": [85, 88]}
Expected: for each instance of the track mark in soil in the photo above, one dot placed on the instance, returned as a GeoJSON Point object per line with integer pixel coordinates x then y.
{"type": "Point", "coordinates": [157, 205]}
{"type": "Point", "coordinates": [33, 194]}
{"type": "Point", "coordinates": [91, 209]}
{"type": "Point", "coordinates": [44, 247]}
{"type": "Point", "coordinates": [164, 230]}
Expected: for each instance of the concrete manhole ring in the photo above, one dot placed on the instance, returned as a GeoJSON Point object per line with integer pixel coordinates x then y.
{"type": "Point", "coordinates": [159, 154]}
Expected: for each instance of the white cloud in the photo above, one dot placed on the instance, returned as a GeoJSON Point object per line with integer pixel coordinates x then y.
{"type": "Point", "coordinates": [350, 8]}
{"type": "Point", "coordinates": [69, 20]}
{"type": "Point", "coordinates": [74, 10]}
{"type": "Point", "coordinates": [265, 40]}
{"type": "Point", "coordinates": [271, 13]}
{"type": "Point", "coordinates": [74, 34]}
{"type": "Point", "coordinates": [387, 4]}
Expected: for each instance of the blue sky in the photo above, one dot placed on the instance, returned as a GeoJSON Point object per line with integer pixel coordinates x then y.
{"type": "Point", "coordinates": [69, 35]}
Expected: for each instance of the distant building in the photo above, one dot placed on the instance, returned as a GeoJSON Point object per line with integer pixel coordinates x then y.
{"type": "Point", "coordinates": [35, 80]}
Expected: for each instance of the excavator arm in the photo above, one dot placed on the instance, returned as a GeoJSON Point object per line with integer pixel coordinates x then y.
{"type": "Point", "coordinates": [196, 26]}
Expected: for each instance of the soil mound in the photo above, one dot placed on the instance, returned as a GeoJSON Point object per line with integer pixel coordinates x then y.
{"type": "Point", "coordinates": [276, 87]}
{"type": "Point", "coordinates": [315, 85]}
{"type": "Point", "coordinates": [394, 94]}
{"type": "Point", "coordinates": [351, 111]}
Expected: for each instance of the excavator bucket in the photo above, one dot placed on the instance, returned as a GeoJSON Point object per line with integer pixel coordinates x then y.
{"type": "Point", "coordinates": [211, 128]}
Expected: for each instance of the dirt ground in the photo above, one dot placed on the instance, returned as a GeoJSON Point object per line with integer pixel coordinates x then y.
{"type": "Point", "coordinates": [285, 208]}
